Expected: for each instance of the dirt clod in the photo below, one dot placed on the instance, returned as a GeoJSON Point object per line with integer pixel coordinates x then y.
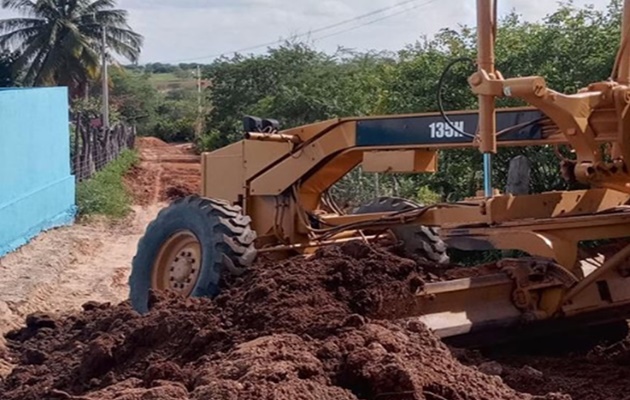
{"type": "Point", "coordinates": [491, 368]}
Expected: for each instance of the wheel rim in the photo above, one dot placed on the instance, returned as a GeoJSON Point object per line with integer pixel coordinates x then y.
{"type": "Point", "coordinates": [177, 265]}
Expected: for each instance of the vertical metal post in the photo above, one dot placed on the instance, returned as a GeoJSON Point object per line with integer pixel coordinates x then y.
{"type": "Point", "coordinates": [105, 78]}
{"type": "Point", "coordinates": [623, 75]}
{"type": "Point", "coordinates": [487, 175]}
{"type": "Point", "coordinates": [486, 30]}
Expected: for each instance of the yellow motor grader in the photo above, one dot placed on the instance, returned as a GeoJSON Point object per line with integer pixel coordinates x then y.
{"type": "Point", "coordinates": [268, 193]}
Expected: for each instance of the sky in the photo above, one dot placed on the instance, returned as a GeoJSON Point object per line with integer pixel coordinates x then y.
{"type": "Point", "coordinates": [199, 30]}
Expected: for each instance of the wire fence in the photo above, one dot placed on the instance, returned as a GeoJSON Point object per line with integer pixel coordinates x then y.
{"type": "Point", "coordinates": [94, 147]}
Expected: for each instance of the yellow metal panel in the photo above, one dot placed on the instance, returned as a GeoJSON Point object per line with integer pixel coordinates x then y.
{"type": "Point", "coordinates": [554, 204]}
{"type": "Point", "coordinates": [222, 173]}
{"type": "Point", "coordinates": [260, 155]}
{"type": "Point", "coordinates": [308, 132]}
{"type": "Point", "coordinates": [400, 161]}
{"type": "Point", "coordinates": [284, 174]}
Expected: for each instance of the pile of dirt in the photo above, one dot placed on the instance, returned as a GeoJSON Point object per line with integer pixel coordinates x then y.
{"type": "Point", "coordinates": [298, 329]}
{"type": "Point", "coordinates": [151, 142]}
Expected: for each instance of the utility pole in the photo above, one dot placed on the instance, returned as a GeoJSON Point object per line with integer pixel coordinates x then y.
{"type": "Point", "coordinates": [199, 87]}
{"type": "Point", "coordinates": [199, 108]}
{"type": "Point", "coordinates": [105, 82]}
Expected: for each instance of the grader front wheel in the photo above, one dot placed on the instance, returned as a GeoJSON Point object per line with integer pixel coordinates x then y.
{"type": "Point", "coordinates": [188, 247]}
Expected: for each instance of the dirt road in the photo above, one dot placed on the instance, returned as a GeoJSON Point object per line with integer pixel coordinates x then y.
{"type": "Point", "coordinates": [66, 267]}
{"type": "Point", "coordinates": [165, 172]}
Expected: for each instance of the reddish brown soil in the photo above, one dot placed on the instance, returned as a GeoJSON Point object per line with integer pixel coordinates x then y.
{"type": "Point", "coordinates": [570, 363]}
{"type": "Point", "coordinates": [291, 330]}
{"type": "Point", "coordinates": [581, 376]}
{"type": "Point", "coordinates": [151, 143]}
{"type": "Point", "coordinates": [166, 172]}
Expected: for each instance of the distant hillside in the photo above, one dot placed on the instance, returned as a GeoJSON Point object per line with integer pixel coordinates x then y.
{"type": "Point", "coordinates": [165, 82]}
{"type": "Point", "coordinates": [167, 77]}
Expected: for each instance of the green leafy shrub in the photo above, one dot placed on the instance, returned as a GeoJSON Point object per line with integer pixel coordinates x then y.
{"type": "Point", "coordinates": [105, 193]}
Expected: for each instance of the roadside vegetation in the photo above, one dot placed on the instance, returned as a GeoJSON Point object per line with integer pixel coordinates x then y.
{"type": "Point", "coordinates": [171, 114]}
{"type": "Point", "coordinates": [105, 193]}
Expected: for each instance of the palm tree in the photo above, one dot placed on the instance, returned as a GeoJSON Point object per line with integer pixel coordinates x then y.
{"type": "Point", "coordinates": [58, 42]}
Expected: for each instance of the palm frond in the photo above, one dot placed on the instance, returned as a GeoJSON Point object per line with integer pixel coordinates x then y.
{"type": "Point", "coordinates": [98, 5]}
{"type": "Point", "coordinates": [30, 58]}
{"type": "Point", "coordinates": [10, 24]}
{"type": "Point", "coordinates": [105, 17]}
{"type": "Point", "coordinates": [125, 36]}
{"type": "Point", "coordinates": [17, 39]}
{"type": "Point", "coordinates": [49, 9]}
{"type": "Point", "coordinates": [18, 5]}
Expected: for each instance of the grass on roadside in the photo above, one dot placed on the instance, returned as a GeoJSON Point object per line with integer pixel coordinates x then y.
{"type": "Point", "coordinates": [105, 193]}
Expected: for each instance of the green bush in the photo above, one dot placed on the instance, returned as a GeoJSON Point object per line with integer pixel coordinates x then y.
{"type": "Point", "coordinates": [105, 193]}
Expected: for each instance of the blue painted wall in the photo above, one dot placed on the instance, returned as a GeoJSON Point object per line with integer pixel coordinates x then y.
{"type": "Point", "coordinates": [37, 190]}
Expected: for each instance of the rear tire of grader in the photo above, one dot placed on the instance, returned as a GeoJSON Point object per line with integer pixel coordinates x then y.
{"type": "Point", "coordinates": [419, 242]}
{"type": "Point", "coordinates": [188, 247]}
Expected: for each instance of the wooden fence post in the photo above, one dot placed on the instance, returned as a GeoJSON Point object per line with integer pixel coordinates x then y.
{"type": "Point", "coordinates": [95, 147]}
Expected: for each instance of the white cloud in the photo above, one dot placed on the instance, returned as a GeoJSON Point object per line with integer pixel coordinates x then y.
{"type": "Point", "coordinates": [192, 29]}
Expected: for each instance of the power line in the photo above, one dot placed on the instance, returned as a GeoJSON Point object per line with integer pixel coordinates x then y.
{"type": "Point", "coordinates": [375, 20]}
{"type": "Point", "coordinates": [318, 30]}
{"type": "Point", "coordinates": [360, 17]}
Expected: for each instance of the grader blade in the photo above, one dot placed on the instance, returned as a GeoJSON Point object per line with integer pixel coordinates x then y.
{"type": "Point", "coordinates": [481, 303]}
{"type": "Point", "coordinates": [454, 307]}
{"type": "Point", "coordinates": [510, 305]}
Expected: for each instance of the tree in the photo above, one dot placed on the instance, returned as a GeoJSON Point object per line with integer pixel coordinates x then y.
{"type": "Point", "coordinates": [170, 115]}
{"type": "Point", "coordinates": [134, 98]}
{"type": "Point", "coordinates": [59, 41]}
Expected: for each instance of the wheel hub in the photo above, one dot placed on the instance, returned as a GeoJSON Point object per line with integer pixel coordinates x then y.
{"type": "Point", "coordinates": [177, 265]}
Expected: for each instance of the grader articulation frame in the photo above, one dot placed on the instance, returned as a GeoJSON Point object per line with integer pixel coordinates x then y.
{"type": "Point", "coordinates": [280, 179]}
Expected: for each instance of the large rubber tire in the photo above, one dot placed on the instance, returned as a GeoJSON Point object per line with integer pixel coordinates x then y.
{"type": "Point", "coordinates": [419, 242]}
{"type": "Point", "coordinates": [224, 236]}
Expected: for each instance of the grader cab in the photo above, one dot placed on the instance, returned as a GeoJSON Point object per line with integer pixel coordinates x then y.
{"type": "Point", "coordinates": [269, 194]}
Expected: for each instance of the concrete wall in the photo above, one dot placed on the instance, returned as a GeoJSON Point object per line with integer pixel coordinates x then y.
{"type": "Point", "coordinates": [37, 190]}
